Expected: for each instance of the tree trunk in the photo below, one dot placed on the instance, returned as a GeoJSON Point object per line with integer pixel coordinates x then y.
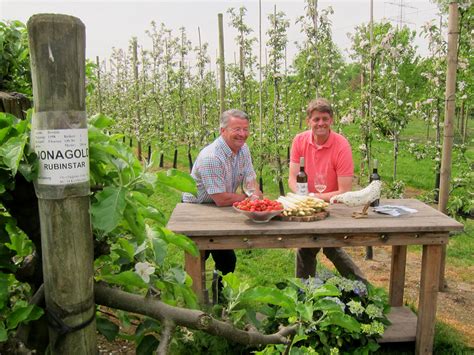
{"type": "Point", "coordinates": [175, 158]}
{"type": "Point", "coordinates": [57, 48]}
{"type": "Point", "coordinates": [190, 159]}
{"type": "Point", "coordinates": [162, 159]}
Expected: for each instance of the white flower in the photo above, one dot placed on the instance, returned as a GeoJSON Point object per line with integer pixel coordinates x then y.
{"type": "Point", "coordinates": [347, 119]}
{"type": "Point", "coordinates": [144, 270]}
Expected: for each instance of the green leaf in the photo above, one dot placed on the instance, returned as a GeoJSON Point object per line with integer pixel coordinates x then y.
{"type": "Point", "coordinates": [23, 314]}
{"type": "Point", "coordinates": [148, 345]}
{"type": "Point", "coordinates": [326, 305]}
{"type": "Point", "coordinates": [3, 334]}
{"type": "Point", "coordinates": [3, 289]}
{"type": "Point", "coordinates": [126, 278]}
{"type": "Point", "coordinates": [342, 320]}
{"type": "Point", "coordinates": [268, 295]}
{"type": "Point", "coordinates": [178, 180]}
{"type": "Point", "coordinates": [135, 223]}
{"type": "Point", "coordinates": [12, 152]}
{"type": "Point", "coordinates": [101, 121]}
{"type": "Point", "coordinates": [20, 243]}
{"type": "Point", "coordinates": [4, 132]}
{"type": "Point", "coordinates": [232, 281]}
{"type": "Point", "coordinates": [179, 240]}
{"type": "Point", "coordinates": [126, 251]}
{"type": "Point", "coordinates": [107, 212]}
{"type": "Point", "coordinates": [178, 275]}
{"type": "Point", "coordinates": [305, 310]}
{"type": "Point", "coordinates": [160, 249]}
{"type": "Point", "coordinates": [107, 328]}
{"type": "Point", "coordinates": [327, 291]}
{"type": "Point", "coordinates": [154, 214]}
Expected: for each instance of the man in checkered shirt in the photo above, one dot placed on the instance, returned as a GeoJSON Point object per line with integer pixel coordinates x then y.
{"type": "Point", "coordinates": [218, 171]}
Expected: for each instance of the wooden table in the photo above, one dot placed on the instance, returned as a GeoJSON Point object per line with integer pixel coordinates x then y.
{"type": "Point", "coordinates": [213, 228]}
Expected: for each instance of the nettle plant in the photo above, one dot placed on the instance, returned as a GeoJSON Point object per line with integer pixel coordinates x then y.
{"type": "Point", "coordinates": [334, 314]}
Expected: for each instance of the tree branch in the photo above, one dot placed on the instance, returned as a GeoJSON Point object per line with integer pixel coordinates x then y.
{"type": "Point", "coordinates": [165, 338]}
{"type": "Point", "coordinates": [190, 318]}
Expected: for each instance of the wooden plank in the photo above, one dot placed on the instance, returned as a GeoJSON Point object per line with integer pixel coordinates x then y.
{"type": "Point", "coordinates": [430, 266]}
{"type": "Point", "coordinates": [315, 240]}
{"type": "Point", "coordinates": [196, 269]}
{"type": "Point", "coordinates": [403, 327]}
{"type": "Point", "coordinates": [206, 219]}
{"type": "Point", "coordinates": [397, 275]}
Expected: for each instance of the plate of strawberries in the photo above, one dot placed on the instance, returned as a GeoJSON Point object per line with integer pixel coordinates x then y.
{"type": "Point", "coordinates": [259, 211]}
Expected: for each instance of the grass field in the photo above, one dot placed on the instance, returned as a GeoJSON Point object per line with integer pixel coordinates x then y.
{"type": "Point", "coordinates": [275, 265]}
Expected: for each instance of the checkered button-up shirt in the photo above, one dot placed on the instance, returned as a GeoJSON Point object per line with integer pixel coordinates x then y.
{"type": "Point", "coordinates": [217, 169]}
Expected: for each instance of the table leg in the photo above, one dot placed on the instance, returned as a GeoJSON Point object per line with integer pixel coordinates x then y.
{"type": "Point", "coordinates": [195, 266]}
{"type": "Point", "coordinates": [425, 327]}
{"type": "Point", "coordinates": [397, 275]}
{"type": "Point", "coordinates": [442, 270]}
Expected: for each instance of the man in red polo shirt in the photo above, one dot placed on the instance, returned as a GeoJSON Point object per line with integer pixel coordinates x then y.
{"type": "Point", "coordinates": [330, 153]}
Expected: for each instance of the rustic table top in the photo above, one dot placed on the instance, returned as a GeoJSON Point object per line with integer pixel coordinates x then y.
{"type": "Point", "coordinates": [210, 220]}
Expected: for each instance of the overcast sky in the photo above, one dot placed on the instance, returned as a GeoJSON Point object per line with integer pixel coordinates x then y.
{"type": "Point", "coordinates": [113, 23]}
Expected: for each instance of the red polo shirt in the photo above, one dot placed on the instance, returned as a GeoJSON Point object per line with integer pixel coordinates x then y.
{"type": "Point", "coordinates": [334, 156]}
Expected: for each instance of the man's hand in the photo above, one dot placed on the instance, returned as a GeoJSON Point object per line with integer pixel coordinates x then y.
{"type": "Point", "coordinates": [294, 169]}
{"type": "Point", "coordinates": [227, 198]}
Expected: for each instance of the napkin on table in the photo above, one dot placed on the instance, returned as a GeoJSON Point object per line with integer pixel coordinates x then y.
{"type": "Point", "coordinates": [394, 210]}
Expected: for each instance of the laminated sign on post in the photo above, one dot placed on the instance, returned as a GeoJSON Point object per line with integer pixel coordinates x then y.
{"type": "Point", "coordinates": [63, 155]}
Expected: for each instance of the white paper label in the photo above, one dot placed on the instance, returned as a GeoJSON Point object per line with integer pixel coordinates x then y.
{"type": "Point", "coordinates": [302, 188]}
{"type": "Point", "coordinates": [63, 156]}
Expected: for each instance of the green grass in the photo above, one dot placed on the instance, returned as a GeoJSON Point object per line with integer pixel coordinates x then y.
{"type": "Point", "coordinates": [461, 247]}
{"type": "Point", "coordinates": [268, 267]}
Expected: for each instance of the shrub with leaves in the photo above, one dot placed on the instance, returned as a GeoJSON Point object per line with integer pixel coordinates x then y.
{"type": "Point", "coordinates": [334, 314]}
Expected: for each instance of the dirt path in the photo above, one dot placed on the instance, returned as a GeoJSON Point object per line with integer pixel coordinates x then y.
{"type": "Point", "coordinates": [455, 306]}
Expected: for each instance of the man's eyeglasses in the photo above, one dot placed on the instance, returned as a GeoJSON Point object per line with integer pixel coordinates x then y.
{"type": "Point", "coordinates": [239, 130]}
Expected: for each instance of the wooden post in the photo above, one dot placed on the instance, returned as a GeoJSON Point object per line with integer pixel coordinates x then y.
{"type": "Point", "coordinates": [397, 275]}
{"type": "Point", "coordinates": [425, 325]}
{"type": "Point", "coordinates": [221, 63]}
{"type": "Point", "coordinates": [57, 48]}
{"type": "Point", "coordinates": [137, 120]}
{"type": "Point", "coordinates": [445, 172]}
{"type": "Point", "coordinates": [99, 92]}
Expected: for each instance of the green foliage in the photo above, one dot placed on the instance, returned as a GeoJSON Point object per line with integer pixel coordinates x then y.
{"type": "Point", "coordinates": [332, 312]}
{"type": "Point", "coordinates": [123, 216]}
{"type": "Point", "coordinates": [15, 73]}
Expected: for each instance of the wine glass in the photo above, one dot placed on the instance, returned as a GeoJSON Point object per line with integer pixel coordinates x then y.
{"type": "Point", "coordinates": [249, 185]}
{"type": "Point", "coordinates": [320, 182]}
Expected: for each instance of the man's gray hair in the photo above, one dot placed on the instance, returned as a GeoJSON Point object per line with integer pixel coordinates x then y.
{"type": "Point", "coordinates": [226, 115]}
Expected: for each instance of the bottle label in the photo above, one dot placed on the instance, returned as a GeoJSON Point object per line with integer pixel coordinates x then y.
{"type": "Point", "coordinates": [302, 188]}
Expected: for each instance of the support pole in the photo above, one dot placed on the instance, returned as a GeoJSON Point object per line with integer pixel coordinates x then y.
{"type": "Point", "coordinates": [221, 64]}
{"type": "Point", "coordinates": [450, 105]}
{"type": "Point", "coordinates": [57, 48]}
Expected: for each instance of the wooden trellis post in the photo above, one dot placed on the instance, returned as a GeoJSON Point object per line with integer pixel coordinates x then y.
{"type": "Point", "coordinates": [59, 137]}
{"type": "Point", "coordinates": [221, 64]}
{"type": "Point", "coordinates": [450, 105]}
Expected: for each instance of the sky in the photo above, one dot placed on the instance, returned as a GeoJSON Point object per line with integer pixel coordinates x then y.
{"type": "Point", "coordinates": [112, 23]}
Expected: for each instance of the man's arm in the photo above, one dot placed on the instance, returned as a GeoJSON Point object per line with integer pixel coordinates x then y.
{"type": "Point", "coordinates": [294, 169]}
{"type": "Point", "coordinates": [227, 198]}
{"type": "Point", "coordinates": [343, 182]}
